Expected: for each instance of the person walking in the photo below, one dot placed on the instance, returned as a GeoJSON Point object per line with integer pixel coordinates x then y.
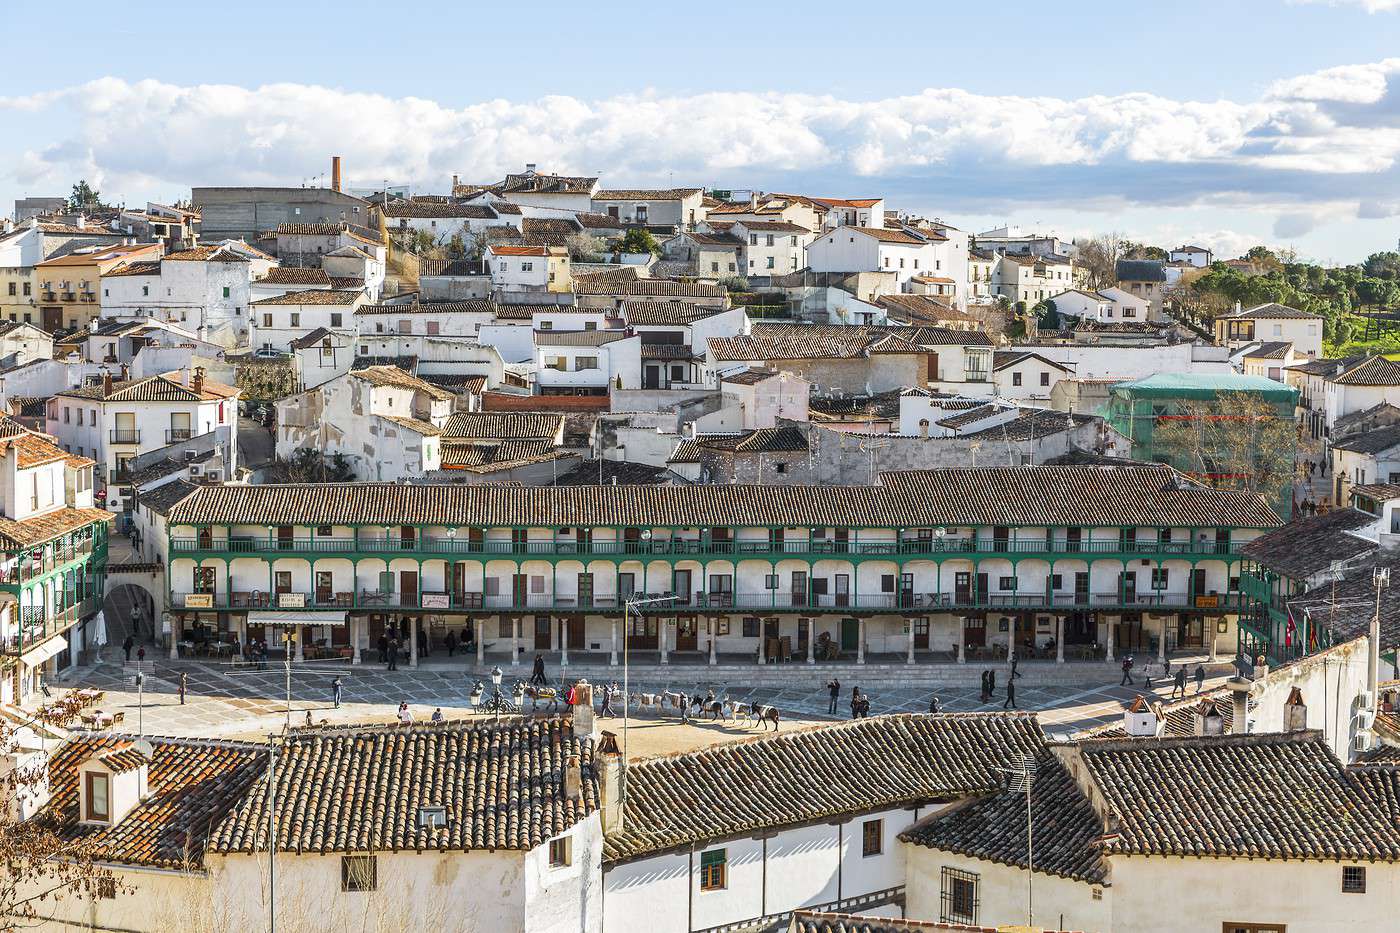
{"type": "Point", "coordinates": [833, 689]}
{"type": "Point", "coordinates": [141, 655]}
{"type": "Point", "coordinates": [1127, 670]}
{"type": "Point", "coordinates": [335, 691]}
{"type": "Point", "coordinates": [855, 702]}
{"type": "Point", "coordinates": [991, 683]}
{"type": "Point", "coordinates": [607, 709]}
{"type": "Point", "coordinates": [393, 654]}
{"type": "Point", "coordinates": [1015, 663]}
{"type": "Point", "coordinates": [1179, 682]}
{"type": "Point", "coordinates": [184, 683]}
{"type": "Point", "coordinates": [405, 714]}
{"type": "Point", "coordinates": [986, 692]}
{"type": "Point", "coordinates": [127, 645]}
{"type": "Point", "coordinates": [1010, 695]}
{"type": "Point", "coordinates": [934, 705]}
{"type": "Point", "coordinates": [1200, 677]}
{"type": "Point", "coordinates": [537, 674]}
{"type": "Point", "coordinates": [451, 642]}
{"type": "Point", "coordinates": [383, 649]}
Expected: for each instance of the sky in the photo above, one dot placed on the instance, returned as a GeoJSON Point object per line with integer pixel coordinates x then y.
{"type": "Point", "coordinates": [1220, 122]}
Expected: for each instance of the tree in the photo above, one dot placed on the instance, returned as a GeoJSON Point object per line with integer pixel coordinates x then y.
{"type": "Point", "coordinates": [1237, 440]}
{"type": "Point", "coordinates": [308, 465]}
{"type": "Point", "coordinates": [1099, 256]}
{"type": "Point", "coordinates": [584, 247]}
{"type": "Point", "coordinates": [1382, 265]}
{"type": "Point", "coordinates": [39, 866]}
{"type": "Point", "coordinates": [638, 240]}
{"type": "Point", "coordinates": [1048, 315]}
{"type": "Point", "coordinates": [84, 198]}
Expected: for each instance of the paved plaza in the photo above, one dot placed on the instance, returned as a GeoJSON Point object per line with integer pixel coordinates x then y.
{"type": "Point", "coordinates": [236, 700]}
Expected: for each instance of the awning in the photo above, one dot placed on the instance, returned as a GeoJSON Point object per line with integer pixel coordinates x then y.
{"type": "Point", "coordinates": [44, 650]}
{"type": "Point", "coordinates": [296, 618]}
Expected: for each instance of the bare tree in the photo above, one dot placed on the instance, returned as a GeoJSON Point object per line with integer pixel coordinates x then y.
{"type": "Point", "coordinates": [1098, 257]}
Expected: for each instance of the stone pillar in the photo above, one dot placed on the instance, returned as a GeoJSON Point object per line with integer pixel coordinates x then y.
{"type": "Point", "coordinates": [515, 640]}
{"type": "Point", "coordinates": [762, 643]}
{"type": "Point", "coordinates": [355, 622]}
{"type": "Point", "coordinates": [1108, 644]}
{"type": "Point", "coordinates": [413, 641]}
{"type": "Point", "coordinates": [479, 629]}
{"type": "Point", "coordinates": [1059, 639]}
{"type": "Point", "coordinates": [176, 630]}
{"type": "Point", "coordinates": [612, 655]}
{"type": "Point", "coordinates": [959, 634]}
{"type": "Point", "coordinates": [564, 643]}
{"type": "Point", "coordinates": [812, 641]}
{"type": "Point", "coordinates": [714, 650]}
{"type": "Point", "coordinates": [299, 633]}
{"type": "Point", "coordinates": [1213, 637]}
{"type": "Point", "coordinates": [1162, 640]}
{"type": "Point", "coordinates": [860, 641]}
{"type": "Point", "coordinates": [661, 627]}
{"type": "Point", "coordinates": [910, 659]}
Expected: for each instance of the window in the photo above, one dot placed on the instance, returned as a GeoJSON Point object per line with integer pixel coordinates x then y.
{"type": "Point", "coordinates": [13, 289]}
{"type": "Point", "coordinates": [780, 467]}
{"type": "Point", "coordinates": [546, 325]}
{"type": "Point", "coordinates": [432, 327]}
{"type": "Point", "coordinates": [714, 875]}
{"type": "Point", "coordinates": [959, 896]}
{"type": "Point", "coordinates": [336, 318]}
{"type": "Point", "coordinates": [1015, 379]}
{"type": "Point", "coordinates": [1253, 928]}
{"type": "Point", "coordinates": [432, 817]}
{"type": "Point", "coordinates": [323, 531]}
{"type": "Point", "coordinates": [750, 629]}
{"type": "Point", "coordinates": [770, 581]}
{"type": "Point", "coordinates": [145, 290]}
{"type": "Point", "coordinates": [1044, 379]}
{"type": "Point", "coordinates": [1353, 879]}
{"type": "Point", "coordinates": [1160, 575]}
{"type": "Point", "coordinates": [99, 805]}
{"type": "Point", "coordinates": [267, 319]}
{"type": "Point", "coordinates": [359, 873]}
{"type": "Point", "coordinates": [1057, 581]}
{"type": "Point", "coordinates": [527, 267]}
{"type": "Point", "coordinates": [296, 319]}
{"type": "Point", "coordinates": [1007, 583]}
{"type": "Point", "coordinates": [585, 362]}
{"type": "Point", "coordinates": [872, 837]}
{"type": "Point", "coordinates": [770, 262]}
{"type": "Point", "coordinates": [225, 291]}
{"type": "Point", "coordinates": [560, 852]}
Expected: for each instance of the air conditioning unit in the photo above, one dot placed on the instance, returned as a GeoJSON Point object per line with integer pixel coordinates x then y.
{"type": "Point", "coordinates": [194, 470]}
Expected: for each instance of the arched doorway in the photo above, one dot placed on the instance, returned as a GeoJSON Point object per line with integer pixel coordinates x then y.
{"type": "Point", "coordinates": [129, 609]}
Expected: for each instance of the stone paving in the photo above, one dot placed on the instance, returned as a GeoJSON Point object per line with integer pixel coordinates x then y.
{"type": "Point", "coordinates": [227, 700]}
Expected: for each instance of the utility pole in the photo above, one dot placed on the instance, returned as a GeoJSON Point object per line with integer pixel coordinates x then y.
{"type": "Point", "coordinates": [271, 832]}
{"type": "Point", "coordinates": [628, 608]}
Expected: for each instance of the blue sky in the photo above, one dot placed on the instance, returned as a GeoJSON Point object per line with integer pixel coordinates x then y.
{"type": "Point", "coordinates": [1227, 121]}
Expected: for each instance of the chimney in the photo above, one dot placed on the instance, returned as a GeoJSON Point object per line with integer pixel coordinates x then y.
{"type": "Point", "coordinates": [1295, 712]}
{"type": "Point", "coordinates": [106, 381]}
{"type": "Point", "coordinates": [1139, 720]}
{"type": "Point", "coordinates": [609, 759]}
{"type": "Point", "coordinates": [454, 184]}
{"type": "Point", "coordinates": [1239, 714]}
{"type": "Point", "coordinates": [335, 173]}
{"type": "Point", "coordinates": [197, 386]}
{"type": "Point", "coordinates": [80, 222]}
{"type": "Point", "coordinates": [23, 768]}
{"type": "Point", "coordinates": [529, 168]}
{"type": "Point", "coordinates": [585, 724]}
{"type": "Point", "coordinates": [1206, 719]}
{"type": "Point", "coordinates": [573, 779]}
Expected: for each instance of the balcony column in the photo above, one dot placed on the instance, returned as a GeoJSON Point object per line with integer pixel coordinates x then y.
{"type": "Point", "coordinates": [909, 622]}
{"type": "Point", "coordinates": [1059, 639]}
{"type": "Point", "coordinates": [354, 622]}
{"type": "Point", "coordinates": [661, 627]}
{"type": "Point", "coordinates": [959, 638]}
{"type": "Point", "coordinates": [1108, 652]}
{"type": "Point", "coordinates": [860, 640]}
{"type": "Point", "coordinates": [515, 640]}
{"type": "Point", "coordinates": [413, 641]}
{"type": "Point", "coordinates": [1162, 639]}
{"type": "Point", "coordinates": [612, 655]}
{"type": "Point", "coordinates": [762, 641]}
{"type": "Point", "coordinates": [1212, 635]}
{"type": "Point", "coordinates": [714, 654]}
{"type": "Point", "coordinates": [175, 633]}
{"type": "Point", "coordinates": [563, 642]}
{"type": "Point", "coordinates": [479, 631]}
{"type": "Point", "coordinates": [298, 632]}
{"type": "Point", "coordinates": [812, 641]}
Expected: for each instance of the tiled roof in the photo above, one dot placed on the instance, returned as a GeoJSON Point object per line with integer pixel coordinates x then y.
{"type": "Point", "coordinates": [749, 377]}
{"type": "Point", "coordinates": [166, 387]}
{"type": "Point", "coordinates": [591, 221]}
{"type": "Point", "coordinates": [360, 790]}
{"type": "Point", "coordinates": [970, 416]}
{"type": "Point", "coordinates": [612, 276]}
{"type": "Point", "coordinates": [330, 229]}
{"type": "Point", "coordinates": [546, 226]}
{"type": "Point", "coordinates": [397, 378]}
{"type": "Point", "coordinates": [315, 296]}
{"type": "Point", "coordinates": [452, 267]}
{"type": "Point", "coordinates": [773, 226]}
{"type": "Point", "coordinates": [30, 449]}
{"type": "Point", "coordinates": [41, 528]}
{"type": "Point", "coordinates": [1267, 795]}
{"type": "Point", "coordinates": [667, 351]}
{"type": "Point", "coordinates": [579, 338]}
{"type": "Point", "coordinates": [716, 240]}
{"type": "Point", "coordinates": [644, 288]}
{"type": "Point", "coordinates": [645, 194]}
{"type": "Point", "coordinates": [1032, 423]}
{"type": "Point", "coordinates": [1272, 310]}
{"type": "Point", "coordinates": [1373, 441]}
{"type": "Point", "coordinates": [502, 425]}
{"type": "Point", "coordinates": [619, 472]}
{"type": "Point", "coordinates": [1271, 350]}
{"type": "Point", "coordinates": [437, 209]}
{"type": "Point", "coordinates": [314, 338]}
{"type": "Point", "coordinates": [550, 184]}
{"type": "Point", "coordinates": [145, 267]}
{"type": "Point", "coordinates": [487, 456]}
{"type": "Point", "coordinates": [1035, 496]}
{"type": "Point", "coordinates": [1381, 492]}
{"type": "Point", "coordinates": [161, 499]}
{"type": "Point", "coordinates": [1376, 371]}
{"type": "Point", "coordinates": [217, 252]}
{"type": "Point", "coordinates": [1066, 828]}
{"type": "Point", "coordinates": [665, 313]}
{"type": "Point", "coordinates": [799, 342]}
{"type": "Point", "coordinates": [1307, 546]}
{"type": "Point", "coordinates": [812, 773]}
{"type": "Point", "coordinates": [500, 250]}
{"type": "Point", "coordinates": [291, 275]}
{"type": "Point", "coordinates": [193, 784]}
{"type": "Point", "coordinates": [785, 439]}
{"type": "Point", "coordinates": [806, 921]}
{"type": "Point", "coordinates": [1178, 717]}
{"type": "Point", "coordinates": [1347, 607]}
{"type": "Point", "coordinates": [416, 425]}
{"type": "Point", "coordinates": [880, 233]}
{"type": "Point", "coordinates": [471, 306]}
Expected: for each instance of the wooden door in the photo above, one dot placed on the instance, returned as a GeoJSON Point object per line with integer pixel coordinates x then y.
{"type": "Point", "coordinates": [982, 589]}
{"type": "Point", "coordinates": [585, 590]}
{"type": "Point", "coordinates": [1000, 539]}
{"type": "Point", "coordinates": [975, 631]}
{"type": "Point", "coordinates": [850, 634]}
{"type": "Point", "coordinates": [920, 633]}
{"type": "Point", "coordinates": [1081, 588]}
{"type": "Point", "coordinates": [906, 590]}
{"type": "Point", "coordinates": [962, 588]}
{"type": "Point", "coordinates": [575, 625]}
{"type": "Point", "coordinates": [408, 587]}
{"type": "Point", "coordinates": [841, 540]}
{"type": "Point", "coordinates": [680, 585]}
{"type": "Point", "coordinates": [1127, 583]}
{"type": "Point", "coordinates": [282, 582]}
{"type": "Point", "coordinates": [1072, 539]}
{"type": "Point", "coordinates": [285, 538]}
{"type": "Point", "coordinates": [632, 540]}
{"type": "Point", "coordinates": [407, 537]}
{"type": "Point", "coordinates": [799, 588]}
{"type": "Point", "coordinates": [686, 633]}
{"type": "Point", "coordinates": [476, 540]}
{"type": "Point", "coordinates": [542, 633]}
{"type": "Point", "coordinates": [325, 589]}
{"type": "Point", "coordinates": [459, 582]}
{"type": "Point", "coordinates": [843, 589]}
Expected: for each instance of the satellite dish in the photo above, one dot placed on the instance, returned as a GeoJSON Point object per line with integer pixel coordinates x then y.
{"type": "Point", "coordinates": [145, 748]}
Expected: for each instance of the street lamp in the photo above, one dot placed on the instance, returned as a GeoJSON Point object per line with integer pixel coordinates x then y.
{"type": "Point", "coordinates": [628, 608]}
{"type": "Point", "coordinates": [498, 702]}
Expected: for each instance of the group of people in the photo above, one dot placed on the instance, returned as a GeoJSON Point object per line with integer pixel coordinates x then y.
{"type": "Point", "coordinates": [860, 703]}
{"type": "Point", "coordinates": [989, 687]}
{"type": "Point", "coordinates": [1178, 679]}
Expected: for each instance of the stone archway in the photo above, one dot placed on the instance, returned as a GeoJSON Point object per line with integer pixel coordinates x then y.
{"type": "Point", "coordinates": [130, 608]}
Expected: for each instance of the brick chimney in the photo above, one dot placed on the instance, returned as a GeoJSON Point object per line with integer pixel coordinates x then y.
{"type": "Point", "coordinates": [197, 386]}
{"type": "Point", "coordinates": [609, 763]}
{"type": "Point", "coordinates": [335, 173]}
{"type": "Point", "coordinates": [126, 373]}
{"type": "Point", "coordinates": [106, 381]}
{"type": "Point", "coordinates": [573, 778]}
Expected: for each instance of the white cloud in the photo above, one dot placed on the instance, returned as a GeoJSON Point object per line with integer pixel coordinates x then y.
{"type": "Point", "coordinates": [1323, 137]}
{"type": "Point", "coordinates": [1370, 6]}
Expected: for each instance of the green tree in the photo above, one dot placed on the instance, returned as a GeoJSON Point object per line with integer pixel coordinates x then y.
{"type": "Point", "coordinates": [638, 240]}
{"type": "Point", "coordinates": [84, 198]}
{"type": "Point", "coordinates": [1382, 265]}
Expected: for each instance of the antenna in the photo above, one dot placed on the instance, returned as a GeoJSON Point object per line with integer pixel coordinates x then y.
{"type": "Point", "coordinates": [1020, 779]}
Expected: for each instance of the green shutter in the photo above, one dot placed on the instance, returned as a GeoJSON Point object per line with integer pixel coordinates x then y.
{"type": "Point", "coordinates": [713, 857]}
